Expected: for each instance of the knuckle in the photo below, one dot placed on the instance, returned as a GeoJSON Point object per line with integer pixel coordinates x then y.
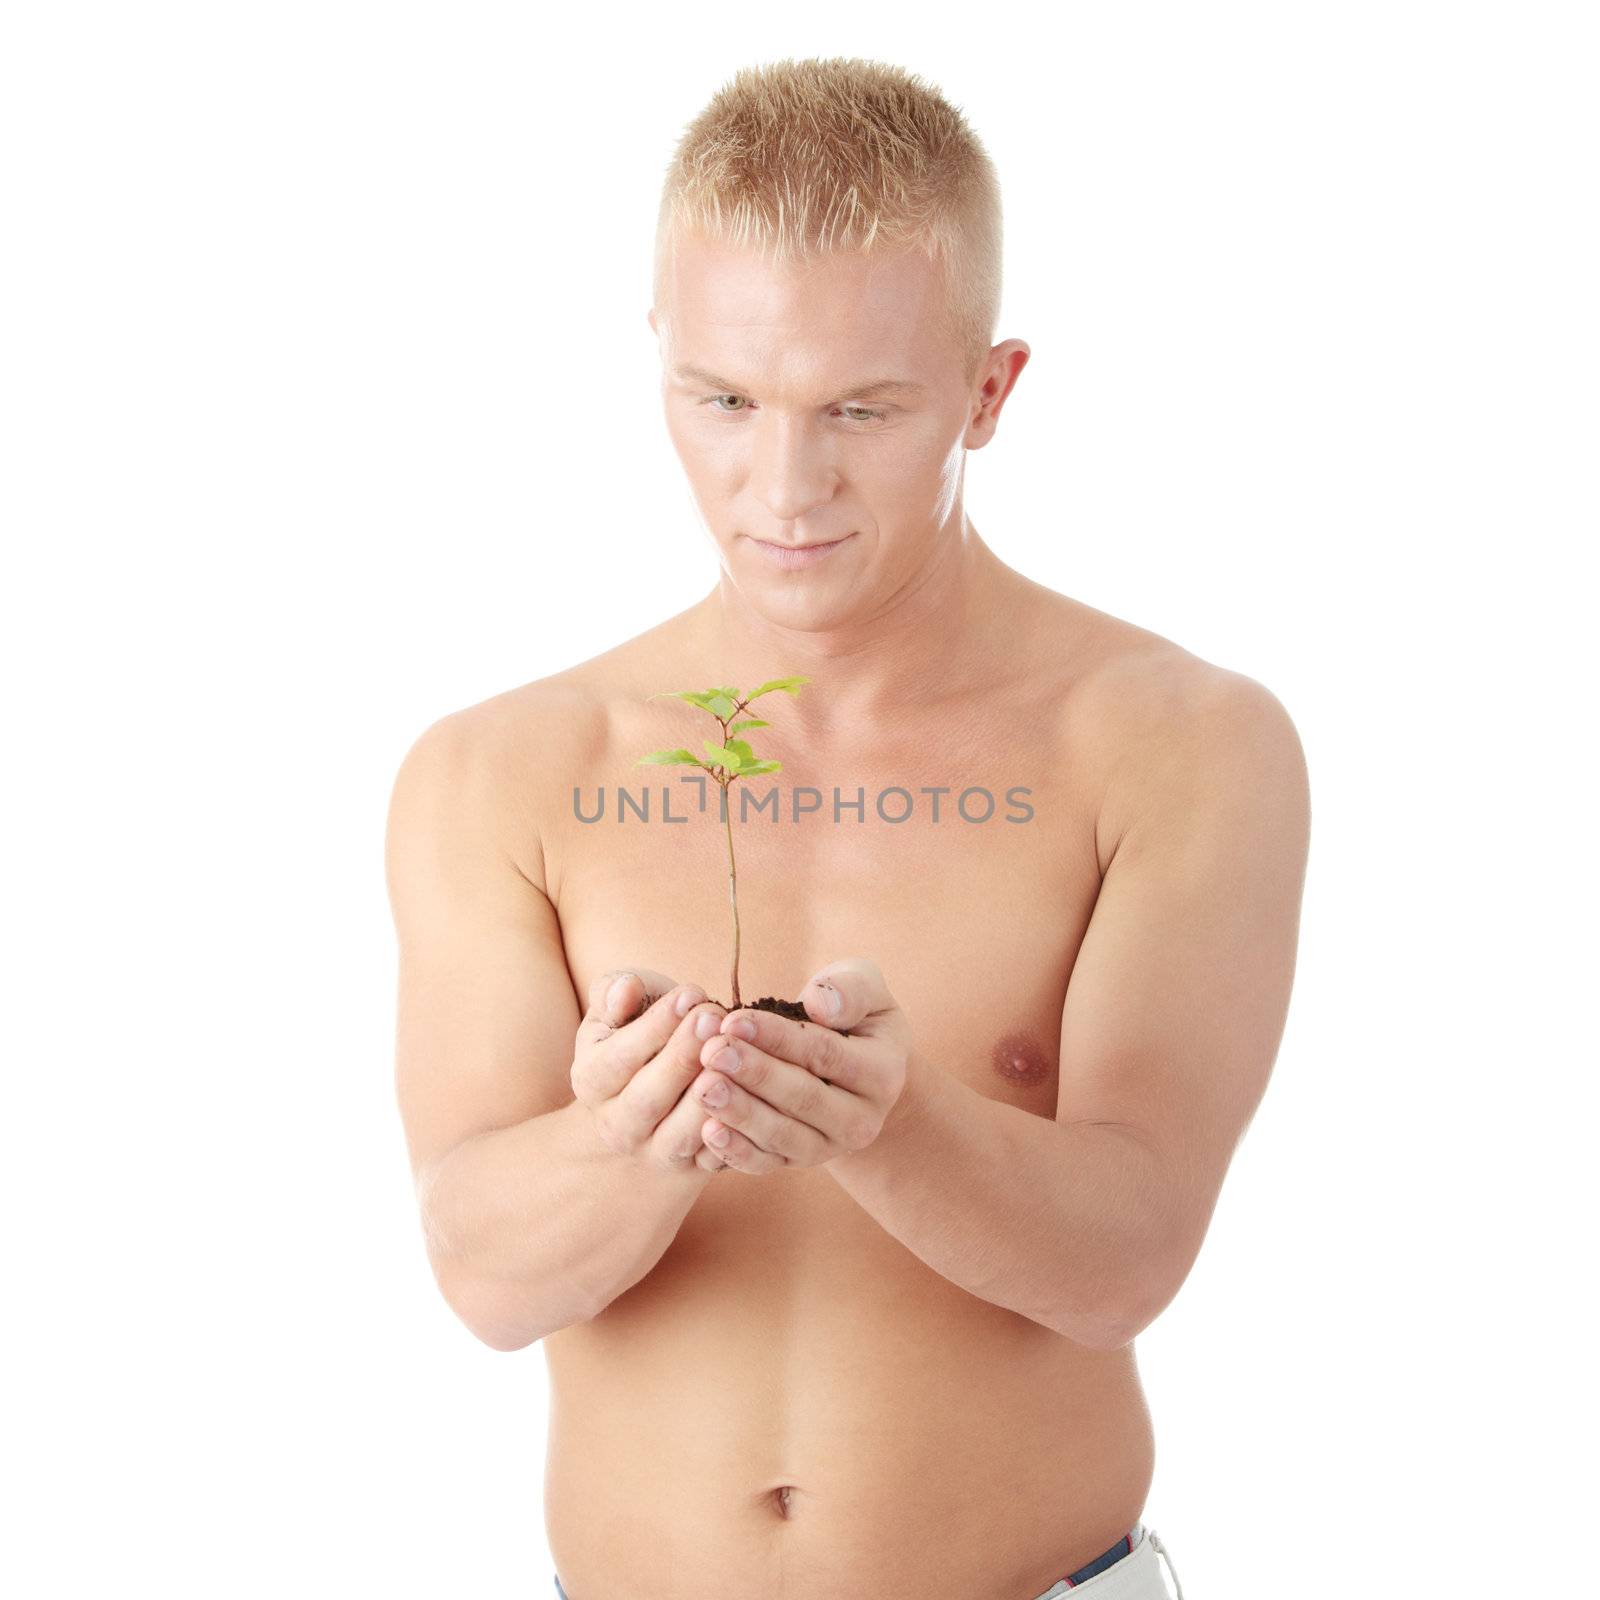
{"type": "Point", "coordinates": [809, 1097]}
{"type": "Point", "coordinates": [585, 1076]}
{"type": "Point", "coordinates": [673, 1155]}
{"type": "Point", "coordinates": [604, 1130]}
{"type": "Point", "coordinates": [828, 1055]}
{"type": "Point", "coordinates": [676, 1139]}
{"type": "Point", "coordinates": [615, 1132]}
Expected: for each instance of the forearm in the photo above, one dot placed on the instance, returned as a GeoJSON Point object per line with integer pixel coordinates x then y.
{"type": "Point", "coordinates": [538, 1226]}
{"type": "Point", "coordinates": [1060, 1222]}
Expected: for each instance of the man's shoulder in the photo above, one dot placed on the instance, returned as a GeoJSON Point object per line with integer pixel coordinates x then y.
{"type": "Point", "coordinates": [1159, 722]}
{"type": "Point", "coordinates": [511, 759]}
{"type": "Point", "coordinates": [1194, 739]}
{"type": "Point", "coordinates": [490, 740]}
{"type": "Point", "coordinates": [462, 785]}
{"type": "Point", "coordinates": [564, 718]}
{"type": "Point", "coordinates": [1139, 688]}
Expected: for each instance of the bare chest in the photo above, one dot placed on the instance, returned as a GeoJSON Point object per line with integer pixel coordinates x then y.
{"type": "Point", "coordinates": [965, 870]}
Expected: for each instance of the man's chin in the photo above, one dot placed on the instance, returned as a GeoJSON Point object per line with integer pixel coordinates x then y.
{"type": "Point", "coordinates": [779, 599]}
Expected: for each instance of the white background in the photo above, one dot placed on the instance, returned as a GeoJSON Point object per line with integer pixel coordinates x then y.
{"type": "Point", "coordinates": [330, 407]}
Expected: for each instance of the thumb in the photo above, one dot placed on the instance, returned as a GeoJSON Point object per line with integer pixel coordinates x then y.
{"type": "Point", "coordinates": [845, 994]}
{"type": "Point", "coordinates": [619, 996]}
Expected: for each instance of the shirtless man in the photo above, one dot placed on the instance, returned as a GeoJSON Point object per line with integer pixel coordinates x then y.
{"type": "Point", "coordinates": [855, 1317]}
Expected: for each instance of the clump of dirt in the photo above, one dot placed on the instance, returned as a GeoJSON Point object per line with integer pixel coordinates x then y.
{"type": "Point", "coordinates": [793, 1009]}
{"type": "Point", "coordinates": [784, 1008]}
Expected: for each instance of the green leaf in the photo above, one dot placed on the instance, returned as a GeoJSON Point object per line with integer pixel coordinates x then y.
{"type": "Point", "coordinates": [695, 697]}
{"type": "Point", "coordinates": [668, 758]}
{"type": "Point", "coordinates": [745, 754]}
{"type": "Point", "coordinates": [739, 727]}
{"type": "Point", "coordinates": [723, 757]}
{"type": "Point", "coordinates": [788, 685]}
{"type": "Point", "coordinates": [719, 705]}
{"type": "Point", "coordinates": [732, 693]}
{"type": "Point", "coordinates": [760, 766]}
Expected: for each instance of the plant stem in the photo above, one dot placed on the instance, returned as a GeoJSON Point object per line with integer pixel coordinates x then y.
{"type": "Point", "coordinates": [733, 872]}
{"type": "Point", "coordinates": [733, 887]}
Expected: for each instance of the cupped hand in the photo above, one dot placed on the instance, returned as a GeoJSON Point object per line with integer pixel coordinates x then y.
{"type": "Point", "coordinates": [636, 1053]}
{"type": "Point", "coordinates": [797, 1094]}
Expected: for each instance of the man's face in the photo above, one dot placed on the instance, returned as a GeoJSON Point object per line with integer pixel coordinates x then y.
{"type": "Point", "coordinates": [766, 375]}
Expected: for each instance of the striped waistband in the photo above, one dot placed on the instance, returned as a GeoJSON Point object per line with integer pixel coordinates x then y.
{"type": "Point", "coordinates": [1123, 1547]}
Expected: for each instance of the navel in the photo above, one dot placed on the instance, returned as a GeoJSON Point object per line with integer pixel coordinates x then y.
{"type": "Point", "coordinates": [1018, 1059]}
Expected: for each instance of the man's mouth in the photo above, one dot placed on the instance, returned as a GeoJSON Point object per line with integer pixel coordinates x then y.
{"type": "Point", "coordinates": [790, 557]}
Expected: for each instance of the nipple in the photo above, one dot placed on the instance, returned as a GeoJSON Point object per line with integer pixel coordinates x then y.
{"type": "Point", "coordinates": [1018, 1059]}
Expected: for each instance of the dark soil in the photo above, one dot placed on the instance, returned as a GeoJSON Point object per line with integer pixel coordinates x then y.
{"type": "Point", "coordinates": [784, 1008]}
{"type": "Point", "coordinates": [792, 1009]}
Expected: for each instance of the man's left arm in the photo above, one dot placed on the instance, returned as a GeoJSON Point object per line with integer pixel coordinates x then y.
{"type": "Point", "coordinates": [1090, 1223]}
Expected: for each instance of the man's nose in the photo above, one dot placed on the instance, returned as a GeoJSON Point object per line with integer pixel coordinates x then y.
{"type": "Point", "coordinates": [793, 472]}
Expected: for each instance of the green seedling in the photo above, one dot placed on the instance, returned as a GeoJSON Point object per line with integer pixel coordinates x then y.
{"type": "Point", "coordinates": [727, 760]}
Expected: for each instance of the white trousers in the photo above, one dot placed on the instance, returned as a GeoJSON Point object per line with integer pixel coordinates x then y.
{"type": "Point", "coordinates": [1137, 1576]}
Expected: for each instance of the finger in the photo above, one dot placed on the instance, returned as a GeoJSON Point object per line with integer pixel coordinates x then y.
{"type": "Point", "coordinates": [605, 1066]}
{"type": "Point", "coordinates": [847, 994]}
{"type": "Point", "coordinates": [617, 1000]}
{"type": "Point", "coordinates": [817, 1053]}
{"type": "Point", "coordinates": [761, 1123]}
{"type": "Point", "coordinates": [619, 996]}
{"type": "Point", "coordinates": [736, 1150]}
{"type": "Point", "coordinates": [675, 1141]}
{"type": "Point", "coordinates": [817, 1095]}
{"type": "Point", "coordinates": [645, 1103]}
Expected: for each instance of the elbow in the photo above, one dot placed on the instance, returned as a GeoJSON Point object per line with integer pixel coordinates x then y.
{"type": "Point", "coordinates": [1106, 1330]}
{"type": "Point", "coordinates": [498, 1332]}
{"type": "Point", "coordinates": [506, 1317]}
{"type": "Point", "coordinates": [1143, 1299]}
{"type": "Point", "coordinates": [1097, 1326]}
{"type": "Point", "coordinates": [1118, 1331]}
{"type": "Point", "coordinates": [498, 1341]}
{"type": "Point", "coordinates": [1114, 1318]}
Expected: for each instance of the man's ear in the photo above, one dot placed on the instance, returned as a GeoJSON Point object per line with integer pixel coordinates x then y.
{"type": "Point", "coordinates": [999, 374]}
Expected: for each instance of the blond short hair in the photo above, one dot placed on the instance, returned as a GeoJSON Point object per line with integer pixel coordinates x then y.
{"type": "Point", "coordinates": [796, 158]}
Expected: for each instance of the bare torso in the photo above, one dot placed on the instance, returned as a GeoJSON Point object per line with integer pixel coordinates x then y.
{"type": "Point", "coordinates": [790, 1401]}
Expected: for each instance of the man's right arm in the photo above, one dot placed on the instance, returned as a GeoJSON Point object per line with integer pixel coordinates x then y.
{"type": "Point", "coordinates": [532, 1222]}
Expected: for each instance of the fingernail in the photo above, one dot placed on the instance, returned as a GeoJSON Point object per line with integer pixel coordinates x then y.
{"type": "Point", "coordinates": [688, 1000]}
{"type": "Point", "coordinates": [614, 995]}
{"type": "Point", "coordinates": [741, 1028]}
{"type": "Point", "coordinates": [718, 1136]}
{"type": "Point", "coordinates": [727, 1058]}
{"type": "Point", "coordinates": [706, 1024]}
{"type": "Point", "coordinates": [828, 995]}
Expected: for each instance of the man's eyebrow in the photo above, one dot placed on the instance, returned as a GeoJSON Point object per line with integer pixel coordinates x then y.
{"type": "Point", "coordinates": [874, 386]}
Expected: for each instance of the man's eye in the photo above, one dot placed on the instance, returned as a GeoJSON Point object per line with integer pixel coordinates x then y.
{"type": "Point", "coordinates": [853, 413]}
